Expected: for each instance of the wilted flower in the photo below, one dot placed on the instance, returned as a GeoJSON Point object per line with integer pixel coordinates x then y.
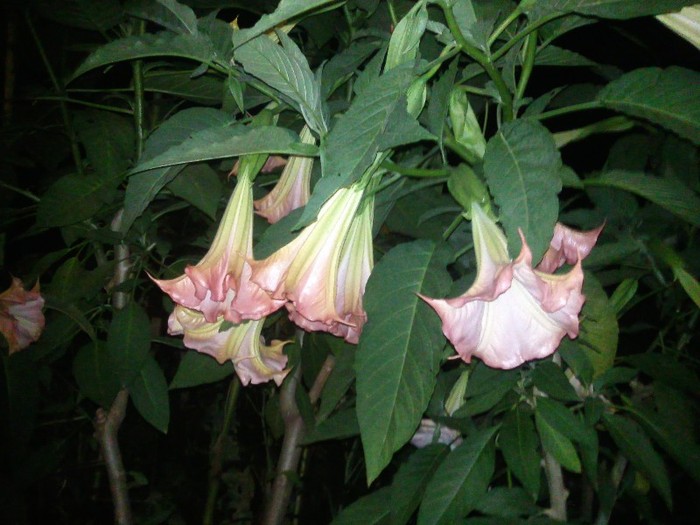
{"type": "Point", "coordinates": [254, 361]}
{"type": "Point", "coordinates": [429, 432]}
{"type": "Point", "coordinates": [323, 271]}
{"type": "Point", "coordinates": [293, 188]}
{"type": "Point", "coordinates": [512, 313]}
{"type": "Point", "coordinates": [21, 318]}
{"type": "Point", "coordinates": [219, 284]}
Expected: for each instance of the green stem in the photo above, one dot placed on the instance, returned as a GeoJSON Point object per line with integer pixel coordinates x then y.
{"type": "Point", "coordinates": [20, 191]}
{"type": "Point", "coordinates": [482, 60]}
{"type": "Point", "coordinates": [85, 103]}
{"type": "Point", "coordinates": [504, 25]}
{"type": "Point", "coordinates": [414, 172]}
{"type": "Point", "coordinates": [75, 149]}
{"type": "Point", "coordinates": [460, 150]}
{"type": "Point", "coordinates": [568, 109]}
{"type": "Point", "coordinates": [529, 62]}
{"type": "Point", "coordinates": [137, 67]}
{"type": "Point", "coordinates": [217, 453]}
{"type": "Point", "coordinates": [517, 38]}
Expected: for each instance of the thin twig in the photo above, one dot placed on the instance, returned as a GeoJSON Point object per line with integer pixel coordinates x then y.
{"type": "Point", "coordinates": [293, 434]}
{"type": "Point", "coordinates": [558, 494]}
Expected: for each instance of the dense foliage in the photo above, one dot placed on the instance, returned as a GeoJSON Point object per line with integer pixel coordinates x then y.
{"type": "Point", "coordinates": [440, 139]}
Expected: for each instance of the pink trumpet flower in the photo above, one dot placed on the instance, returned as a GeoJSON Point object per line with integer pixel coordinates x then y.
{"type": "Point", "coordinates": [293, 188]}
{"type": "Point", "coordinates": [254, 361]}
{"type": "Point", "coordinates": [323, 271]}
{"type": "Point", "coordinates": [567, 246]}
{"type": "Point", "coordinates": [21, 316]}
{"type": "Point", "coordinates": [512, 313]}
{"type": "Point", "coordinates": [219, 284]}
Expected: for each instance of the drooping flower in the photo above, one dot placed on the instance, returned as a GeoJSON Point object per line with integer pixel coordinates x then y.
{"type": "Point", "coordinates": [21, 316]}
{"type": "Point", "coordinates": [293, 188]}
{"type": "Point", "coordinates": [219, 284]}
{"type": "Point", "coordinates": [254, 361]}
{"type": "Point", "coordinates": [568, 246]}
{"type": "Point", "coordinates": [323, 271]}
{"type": "Point", "coordinates": [512, 313]}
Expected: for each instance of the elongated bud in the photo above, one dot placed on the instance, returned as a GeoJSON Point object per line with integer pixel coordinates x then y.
{"type": "Point", "coordinates": [466, 188]}
{"type": "Point", "coordinates": [465, 126]}
{"type": "Point", "coordinates": [456, 398]}
{"type": "Point", "coordinates": [416, 96]}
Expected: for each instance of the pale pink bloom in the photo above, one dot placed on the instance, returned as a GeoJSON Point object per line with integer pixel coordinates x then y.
{"type": "Point", "coordinates": [219, 284]}
{"type": "Point", "coordinates": [323, 271]}
{"type": "Point", "coordinates": [21, 316]}
{"type": "Point", "coordinates": [568, 246]}
{"type": "Point", "coordinates": [512, 313]}
{"type": "Point", "coordinates": [293, 188]}
{"type": "Point", "coordinates": [429, 432]}
{"type": "Point", "coordinates": [254, 361]}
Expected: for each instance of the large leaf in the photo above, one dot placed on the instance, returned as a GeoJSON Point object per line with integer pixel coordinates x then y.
{"type": "Point", "coordinates": [518, 442]}
{"type": "Point", "coordinates": [205, 89]}
{"type": "Point", "coordinates": [286, 69]}
{"type": "Point", "coordinates": [668, 97]}
{"type": "Point", "coordinates": [149, 392]}
{"type": "Point", "coordinates": [168, 13]}
{"type": "Point", "coordinates": [230, 141]}
{"type": "Point", "coordinates": [521, 165]}
{"type": "Point", "coordinates": [411, 480]}
{"type": "Point", "coordinates": [670, 194]}
{"type": "Point", "coordinates": [196, 47]}
{"type": "Point", "coordinates": [557, 444]}
{"type": "Point", "coordinates": [636, 447]}
{"type": "Point", "coordinates": [128, 341]}
{"type": "Point", "coordinates": [74, 198]}
{"type": "Point", "coordinates": [550, 379]}
{"type": "Point", "coordinates": [199, 185]}
{"type": "Point", "coordinates": [399, 351]}
{"type": "Point", "coordinates": [94, 371]}
{"type": "Point", "coordinates": [460, 481]}
{"type": "Point", "coordinates": [341, 425]}
{"type": "Point", "coordinates": [344, 64]}
{"type": "Point", "coordinates": [108, 140]}
{"type": "Point", "coordinates": [406, 36]}
{"type": "Point", "coordinates": [619, 9]}
{"type": "Point", "coordinates": [198, 369]}
{"type": "Point", "coordinates": [368, 510]}
{"type": "Point", "coordinates": [286, 10]}
{"type": "Point", "coordinates": [377, 120]}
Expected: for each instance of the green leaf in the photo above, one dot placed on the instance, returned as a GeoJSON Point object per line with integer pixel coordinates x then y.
{"type": "Point", "coordinates": [666, 369]}
{"type": "Point", "coordinates": [205, 89]}
{"type": "Point", "coordinates": [518, 442]}
{"type": "Point", "coordinates": [664, 96]}
{"type": "Point", "coordinates": [561, 419]}
{"type": "Point", "coordinates": [108, 140]}
{"type": "Point", "coordinates": [619, 9]}
{"type": "Point", "coordinates": [670, 194]}
{"type": "Point", "coordinates": [72, 282]}
{"type": "Point", "coordinates": [635, 445]}
{"type": "Point", "coordinates": [461, 481]}
{"type": "Point", "coordinates": [623, 294]}
{"type": "Point", "coordinates": [689, 284]}
{"type": "Point", "coordinates": [339, 426]}
{"type": "Point", "coordinates": [551, 379]}
{"type": "Point", "coordinates": [74, 198]}
{"type": "Point", "coordinates": [439, 101]}
{"type": "Point", "coordinates": [558, 56]}
{"type": "Point", "coordinates": [341, 66]}
{"type": "Point", "coordinates": [507, 503]}
{"type": "Point", "coordinates": [199, 369]}
{"type": "Point", "coordinates": [94, 371]}
{"type": "Point", "coordinates": [403, 45]}
{"type": "Point", "coordinates": [168, 13]}
{"type": "Point", "coordinates": [128, 341]}
{"type": "Point", "coordinates": [485, 389]}
{"type": "Point", "coordinates": [399, 352]}
{"type": "Point", "coordinates": [521, 166]}
{"type": "Point", "coordinates": [73, 312]}
{"type": "Point", "coordinates": [199, 185]}
{"type": "Point", "coordinates": [196, 47]}
{"type": "Point", "coordinates": [411, 480]}
{"type": "Point", "coordinates": [340, 380]}
{"type": "Point", "coordinates": [149, 392]}
{"type": "Point", "coordinates": [230, 141]}
{"type": "Point", "coordinates": [286, 10]}
{"type": "Point", "coordinates": [376, 120]}
{"type": "Point", "coordinates": [368, 510]}
{"type": "Point", "coordinates": [286, 69]}
{"type": "Point", "coordinates": [558, 445]}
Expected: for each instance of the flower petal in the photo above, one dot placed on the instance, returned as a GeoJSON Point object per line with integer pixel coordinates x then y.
{"type": "Point", "coordinates": [567, 246]}
{"type": "Point", "coordinates": [21, 317]}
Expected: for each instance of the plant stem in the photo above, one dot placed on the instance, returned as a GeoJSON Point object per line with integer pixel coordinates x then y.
{"type": "Point", "coordinates": [293, 434]}
{"type": "Point", "coordinates": [106, 429]}
{"type": "Point", "coordinates": [58, 88]}
{"type": "Point", "coordinates": [484, 61]}
{"type": "Point", "coordinates": [504, 25]}
{"type": "Point", "coordinates": [85, 103]}
{"type": "Point", "coordinates": [517, 38]}
{"type": "Point", "coordinates": [568, 109]}
{"type": "Point", "coordinates": [557, 491]}
{"type": "Point", "coordinates": [137, 68]}
{"type": "Point", "coordinates": [218, 449]}
{"type": "Point", "coordinates": [529, 62]}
